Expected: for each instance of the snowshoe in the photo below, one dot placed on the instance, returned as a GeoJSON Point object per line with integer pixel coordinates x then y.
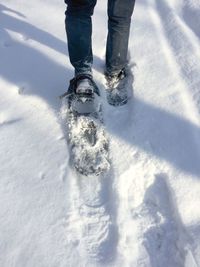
{"type": "Point", "coordinates": [117, 87]}
{"type": "Point", "coordinates": [86, 135]}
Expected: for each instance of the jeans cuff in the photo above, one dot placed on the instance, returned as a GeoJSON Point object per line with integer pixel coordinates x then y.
{"type": "Point", "coordinates": [85, 72]}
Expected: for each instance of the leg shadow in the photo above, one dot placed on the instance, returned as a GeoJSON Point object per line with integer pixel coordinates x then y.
{"type": "Point", "coordinates": [163, 238]}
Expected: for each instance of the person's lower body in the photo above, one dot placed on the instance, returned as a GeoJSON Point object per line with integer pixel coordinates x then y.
{"type": "Point", "coordinates": [119, 21]}
{"type": "Point", "coordinates": [79, 32]}
{"type": "Point", "coordinates": [78, 26]}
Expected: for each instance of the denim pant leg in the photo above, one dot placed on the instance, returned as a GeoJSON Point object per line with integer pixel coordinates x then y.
{"type": "Point", "coordinates": [79, 32]}
{"type": "Point", "coordinates": [119, 20]}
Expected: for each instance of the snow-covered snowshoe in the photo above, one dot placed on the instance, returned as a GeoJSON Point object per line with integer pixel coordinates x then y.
{"type": "Point", "coordinates": [86, 135]}
{"type": "Point", "coordinates": [117, 87]}
{"type": "Point", "coordinates": [82, 95]}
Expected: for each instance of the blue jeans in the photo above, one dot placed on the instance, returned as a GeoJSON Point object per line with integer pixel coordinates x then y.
{"type": "Point", "coordinates": [79, 32]}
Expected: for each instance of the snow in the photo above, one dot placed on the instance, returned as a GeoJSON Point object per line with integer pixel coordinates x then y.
{"type": "Point", "coordinates": [146, 212]}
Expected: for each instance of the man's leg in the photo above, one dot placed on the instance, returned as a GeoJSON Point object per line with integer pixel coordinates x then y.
{"type": "Point", "coordinates": [79, 31]}
{"type": "Point", "coordinates": [119, 20]}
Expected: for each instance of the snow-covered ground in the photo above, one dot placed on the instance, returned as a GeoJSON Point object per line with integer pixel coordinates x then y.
{"type": "Point", "coordinates": [149, 216]}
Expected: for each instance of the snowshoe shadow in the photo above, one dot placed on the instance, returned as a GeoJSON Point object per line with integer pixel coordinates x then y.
{"type": "Point", "coordinates": [163, 236]}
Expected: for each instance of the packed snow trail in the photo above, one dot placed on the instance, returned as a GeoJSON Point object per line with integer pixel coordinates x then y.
{"type": "Point", "coordinates": [149, 206]}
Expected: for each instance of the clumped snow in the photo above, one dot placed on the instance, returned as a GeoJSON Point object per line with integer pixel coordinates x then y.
{"type": "Point", "coordinates": [145, 212]}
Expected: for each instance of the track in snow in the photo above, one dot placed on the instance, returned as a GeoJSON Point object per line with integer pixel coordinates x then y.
{"type": "Point", "coordinates": [161, 230]}
{"type": "Point", "coordinates": [90, 228]}
{"type": "Point", "coordinates": [93, 233]}
{"type": "Point", "coordinates": [185, 46]}
{"type": "Point", "coordinates": [155, 148]}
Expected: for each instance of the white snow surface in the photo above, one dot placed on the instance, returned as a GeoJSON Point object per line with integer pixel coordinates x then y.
{"type": "Point", "coordinates": [148, 213]}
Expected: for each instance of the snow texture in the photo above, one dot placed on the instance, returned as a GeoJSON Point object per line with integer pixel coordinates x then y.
{"type": "Point", "coordinates": [145, 211]}
{"type": "Point", "coordinates": [88, 143]}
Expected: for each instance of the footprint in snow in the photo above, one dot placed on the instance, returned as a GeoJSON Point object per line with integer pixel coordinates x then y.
{"type": "Point", "coordinates": [99, 235]}
{"type": "Point", "coordinates": [160, 227]}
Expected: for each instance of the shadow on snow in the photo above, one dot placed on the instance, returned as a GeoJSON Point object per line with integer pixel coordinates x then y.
{"type": "Point", "coordinates": [156, 131]}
